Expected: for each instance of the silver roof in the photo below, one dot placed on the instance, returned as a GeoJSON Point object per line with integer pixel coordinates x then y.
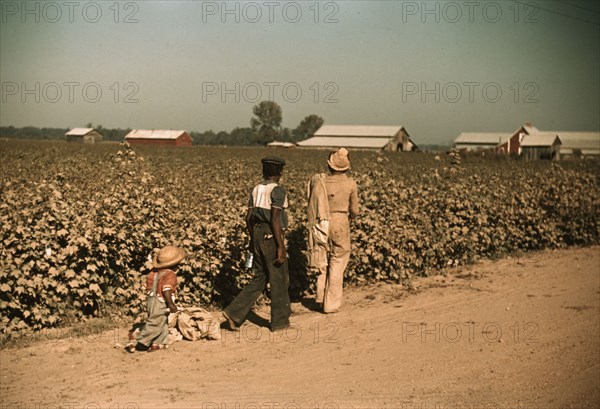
{"type": "Point", "coordinates": [153, 134]}
{"type": "Point", "coordinates": [79, 131]}
{"type": "Point", "coordinates": [530, 129]}
{"type": "Point", "coordinates": [359, 130]}
{"type": "Point", "coordinates": [281, 144]}
{"type": "Point", "coordinates": [540, 139]}
{"type": "Point", "coordinates": [483, 138]}
{"type": "Point", "coordinates": [346, 142]}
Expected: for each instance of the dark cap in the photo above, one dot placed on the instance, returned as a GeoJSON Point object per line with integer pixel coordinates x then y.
{"type": "Point", "coordinates": [273, 159]}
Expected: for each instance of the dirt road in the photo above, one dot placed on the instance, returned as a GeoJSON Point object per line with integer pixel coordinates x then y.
{"type": "Point", "coordinates": [515, 333]}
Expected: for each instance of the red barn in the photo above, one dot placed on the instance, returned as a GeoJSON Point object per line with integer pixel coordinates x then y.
{"type": "Point", "coordinates": [158, 138]}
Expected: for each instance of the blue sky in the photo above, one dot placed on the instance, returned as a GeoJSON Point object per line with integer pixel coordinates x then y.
{"type": "Point", "coordinates": [437, 67]}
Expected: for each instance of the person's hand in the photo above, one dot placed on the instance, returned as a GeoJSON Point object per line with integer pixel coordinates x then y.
{"type": "Point", "coordinates": [281, 258]}
{"type": "Point", "coordinates": [173, 308]}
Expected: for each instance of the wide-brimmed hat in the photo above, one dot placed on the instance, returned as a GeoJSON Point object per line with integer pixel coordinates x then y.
{"type": "Point", "coordinates": [168, 256]}
{"type": "Point", "coordinates": [339, 160]}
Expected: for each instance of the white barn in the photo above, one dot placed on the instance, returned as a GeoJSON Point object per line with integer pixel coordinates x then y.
{"type": "Point", "coordinates": [473, 141]}
{"type": "Point", "coordinates": [376, 137]}
{"type": "Point", "coordinates": [585, 144]}
{"type": "Point", "coordinates": [83, 135]}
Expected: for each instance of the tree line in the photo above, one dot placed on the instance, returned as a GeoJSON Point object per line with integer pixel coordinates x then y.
{"type": "Point", "coordinates": [265, 126]}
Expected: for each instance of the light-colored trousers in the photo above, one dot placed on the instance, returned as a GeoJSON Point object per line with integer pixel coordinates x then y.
{"type": "Point", "coordinates": [330, 281]}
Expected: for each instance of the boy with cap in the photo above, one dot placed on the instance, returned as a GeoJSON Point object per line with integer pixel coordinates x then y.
{"type": "Point", "coordinates": [342, 201]}
{"type": "Point", "coordinates": [161, 285]}
{"type": "Point", "coordinates": [266, 220]}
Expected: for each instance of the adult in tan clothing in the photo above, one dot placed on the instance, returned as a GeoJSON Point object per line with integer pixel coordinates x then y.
{"type": "Point", "coordinates": [342, 203]}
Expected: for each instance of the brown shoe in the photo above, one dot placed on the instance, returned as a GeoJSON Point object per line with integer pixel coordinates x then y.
{"type": "Point", "coordinates": [230, 322]}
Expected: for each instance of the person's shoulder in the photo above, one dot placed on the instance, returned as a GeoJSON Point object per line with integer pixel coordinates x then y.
{"type": "Point", "coordinates": [170, 278]}
{"type": "Point", "coordinates": [167, 273]}
{"type": "Point", "coordinates": [350, 180]}
{"type": "Point", "coordinates": [279, 188]}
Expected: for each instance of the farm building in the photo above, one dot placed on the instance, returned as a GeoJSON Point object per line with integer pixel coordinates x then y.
{"type": "Point", "coordinates": [512, 145]}
{"type": "Point", "coordinates": [376, 137]}
{"type": "Point", "coordinates": [158, 137]}
{"type": "Point", "coordinates": [277, 144]}
{"type": "Point", "coordinates": [584, 144]}
{"type": "Point", "coordinates": [83, 135]}
{"type": "Point", "coordinates": [543, 145]}
{"type": "Point", "coordinates": [474, 141]}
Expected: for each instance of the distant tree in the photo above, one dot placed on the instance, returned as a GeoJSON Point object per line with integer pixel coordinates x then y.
{"type": "Point", "coordinates": [89, 125]}
{"type": "Point", "coordinates": [223, 138]}
{"type": "Point", "coordinates": [8, 131]}
{"type": "Point", "coordinates": [267, 122]}
{"type": "Point", "coordinates": [243, 136]}
{"type": "Point", "coordinates": [307, 127]}
{"type": "Point", "coordinates": [286, 135]}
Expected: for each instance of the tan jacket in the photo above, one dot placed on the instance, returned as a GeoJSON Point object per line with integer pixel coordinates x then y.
{"type": "Point", "coordinates": [342, 194]}
{"type": "Point", "coordinates": [318, 221]}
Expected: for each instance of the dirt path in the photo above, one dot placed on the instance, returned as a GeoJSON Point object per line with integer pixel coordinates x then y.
{"type": "Point", "coordinates": [516, 333]}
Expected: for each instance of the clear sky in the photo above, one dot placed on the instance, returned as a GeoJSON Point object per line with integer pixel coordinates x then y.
{"type": "Point", "coordinates": [436, 67]}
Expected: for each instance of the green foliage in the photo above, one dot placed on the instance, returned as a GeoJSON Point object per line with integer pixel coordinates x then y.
{"type": "Point", "coordinates": [267, 121]}
{"type": "Point", "coordinates": [307, 127]}
{"type": "Point", "coordinates": [80, 221]}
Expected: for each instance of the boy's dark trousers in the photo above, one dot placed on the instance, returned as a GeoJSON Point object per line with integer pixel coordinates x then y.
{"type": "Point", "coordinates": [265, 253]}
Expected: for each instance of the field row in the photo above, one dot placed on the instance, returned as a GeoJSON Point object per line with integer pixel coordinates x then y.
{"type": "Point", "coordinates": [79, 222]}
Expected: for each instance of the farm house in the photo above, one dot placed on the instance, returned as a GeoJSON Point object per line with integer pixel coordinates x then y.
{"type": "Point", "coordinates": [513, 144]}
{"type": "Point", "coordinates": [83, 135]}
{"type": "Point", "coordinates": [375, 137]}
{"type": "Point", "coordinates": [158, 138]}
{"type": "Point", "coordinates": [541, 146]}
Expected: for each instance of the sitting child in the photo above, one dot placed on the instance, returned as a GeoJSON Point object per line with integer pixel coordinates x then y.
{"type": "Point", "coordinates": [161, 285]}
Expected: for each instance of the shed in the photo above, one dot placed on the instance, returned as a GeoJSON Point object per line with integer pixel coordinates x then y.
{"type": "Point", "coordinates": [158, 138]}
{"type": "Point", "coordinates": [83, 135]}
{"type": "Point", "coordinates": [375, 137]}
{"type": "Point", "coordinates": [278, 144]}
{"type": "Point", "coordinates": [473, 141]}
{"type": "Point", "coordinates": [544, 145]}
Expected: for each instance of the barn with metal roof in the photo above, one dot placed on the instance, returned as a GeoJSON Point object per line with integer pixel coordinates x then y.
{"type": "Point", "coordinates": [472, 141]}
{"type": "Point", "coordinates": [83, 135]}
{"type": "Point", "coordinates": [583, 144]}
{"type": "Point", "coordinates": [158, 138]}
{"type": "Point", "coordinates": [376, 137]}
